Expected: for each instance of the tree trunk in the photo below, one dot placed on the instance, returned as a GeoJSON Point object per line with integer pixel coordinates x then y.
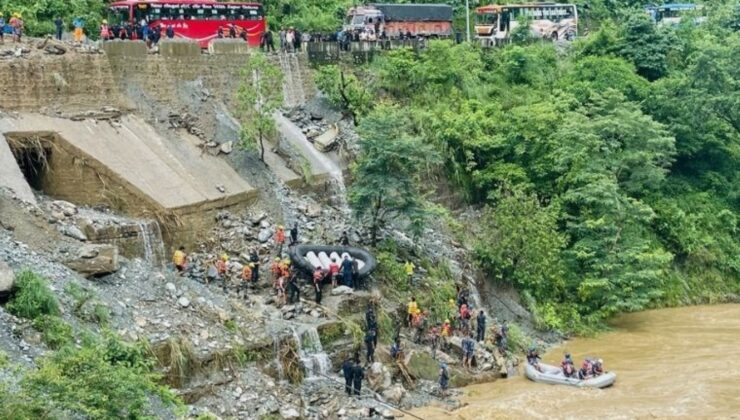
{"type": "Point", "coordinates": [345, 99]}
{"type": "Point", "coordinates": [376, 213]}
{"type": "Point", "coordinates": [262, 148]}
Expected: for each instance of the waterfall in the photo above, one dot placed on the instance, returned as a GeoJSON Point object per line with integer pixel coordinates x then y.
{"type": "Point", "coordinates": [278, 363]}
{"type": "Point", "coordinates": [151, 239]}
{"type": "Point", "coordinates": [293, 92]}
{"type": "Point", "coordinates": [312, 354]}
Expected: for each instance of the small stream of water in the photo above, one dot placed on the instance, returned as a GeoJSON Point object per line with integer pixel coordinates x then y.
{"type": "Point", "coordinates": [152, 243]}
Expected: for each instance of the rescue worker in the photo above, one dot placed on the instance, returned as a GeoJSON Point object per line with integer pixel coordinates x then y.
{"type": "Point", "coordinates": [58, 25]}
{"type": "Point", "coordinates": [280, 288]}
{"type": "Point", "coordinates": [434, 340]}
{"type": "Point", "coordinates": [280, 239]}
{"type": "Point", "coordinates": [358, 375]}
{"type": "Point", "coordinates": [409, 269]}
{"type": "Point", "coordinates": [356, 273]}
{"type": "Point", "coordinates": [585, 371]}
{"type": "Point", "coordinates": [180, 260]}
{"type": "Point", "coordinates": [598, 367]}
{"type": "Point", "coordinates": [293, 290]}
{"type": "Point", "coordinates": [105, 34]}
{"type": "Point", "coordinates": [276, 270]}
{"type": "Point", "coordinates": [468, 348]}
{"type": "Point", "coordinates": [370, 347]}
{"type": "Point", "coordinates": [294, 234]}
{"type": "Point", "coordinates": [396, 350]}
{"type": "Point", "coordinates": [255, 260]}
{"type": "Point", "coordinates": [568, 366]}
{"type": "Point", "coordinates": [370, 319]}
{"type": "Point", "coordinates": [533, 358]}
{"type": "Point", "coordinates": [346, 268]}
{"type": "Point", "coordinates": [348, 370]}
{"type": "Point", "coordinates": [344, 239]}
{"type": "Point", "coordinates": [446, 333]}
{"type": "Point", "coordinates": [222, 268]}
{"type": "Point", "coordinates": [420, 323]}
{"type": "Point", "coordinates": [481, 326]}
{"type": "Point", "coordinates": [444, 377]}
{"type": "Point", "coordinates": [246, 277]}
{"type": "Point", "coordinates": [412, 309]}
{"type": "Point", "coordinates": [465, 318]}
{"type": "Point", "coordinates": [318, 278]}
{"type": "Point", "coordinates": [334, 272]}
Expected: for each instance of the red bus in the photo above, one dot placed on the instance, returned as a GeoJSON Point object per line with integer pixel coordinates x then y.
{"type": "Point", "coordinates": [197, 20]}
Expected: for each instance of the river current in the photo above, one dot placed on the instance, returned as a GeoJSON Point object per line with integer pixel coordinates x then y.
{"type": "Point", "coordinates": [678, 362]}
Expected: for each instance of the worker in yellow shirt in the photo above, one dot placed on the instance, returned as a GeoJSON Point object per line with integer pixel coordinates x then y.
{"type": "Point", "coordinates": [180, 260]}
{"type": "Point", "coordinates": [409, 268]}
{"type": "Point", "coordinates": [413, 309]}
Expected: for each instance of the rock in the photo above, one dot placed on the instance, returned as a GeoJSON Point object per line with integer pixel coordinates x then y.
{"type": "Point", "coordinates": [7, 278]}
{"type": "Point", "coordinates": [74, 232]}
{"type": "Point", "coordinates": [227, 147]}
{"type": "Point", "coordinates": [91, 260]}
{"type": "Point", "coordinates": [184, 302]}
{"type": "Point", "coordinates": [264, 235]}
{"type": "Point", "coordinates": [264, 224]}
{"type": "Point", "coordinates": [65, 207]}
{"type": "Point", "coordinates": [316, 314]}
{"type": "Point", "coordinates": [140, 321]}
{"type": "Point", "coordinates": [342, 290]}
{"type": "Point", "coordinates": [170, 287]}
{"type": "Point", "coordinates": [290, 413]}
{"type": "Point", "coordinates": [387, 414]}
{"type": "Point", "coordinates": [394, 395]}
{"type": "Point", "coordinates": [313, 210]}
{"type": "Point", "coordinates": [378, 377]}
{"type": "Point", "coordinates": [256, 219]}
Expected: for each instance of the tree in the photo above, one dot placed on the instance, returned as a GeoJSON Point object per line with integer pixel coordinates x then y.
{"type": "Point", "coordinates": [386, 182]}
{"type": "Point", "coordinates": [646, 46]}
{"type": "Point", "coordinates": [519, 243]}
{"type": "Point", "coordinates": [259, 97]}
{"type": "Point", "coordinates": [345, 91]}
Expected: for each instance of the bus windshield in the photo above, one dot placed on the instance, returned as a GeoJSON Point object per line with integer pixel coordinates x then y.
{"type": "Point", "coordinates": [486, 18]}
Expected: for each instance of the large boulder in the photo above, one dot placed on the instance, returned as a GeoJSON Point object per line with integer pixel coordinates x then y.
{"type": "Point", "coordinates": [378, 377]}
{"type": "Point", "coordinates": [7, 278]}
{"type": "Point", "coordinates": [394, 394]}
{"type": "Point", "coordinates": [94, 259]}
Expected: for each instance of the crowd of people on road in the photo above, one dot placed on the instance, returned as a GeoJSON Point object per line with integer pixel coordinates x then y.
{"type": "Point", "coordinates": [14, 26]}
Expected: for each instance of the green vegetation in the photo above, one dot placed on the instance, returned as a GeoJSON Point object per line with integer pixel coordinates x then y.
{"type": "Point", "coordinates": [345, 90]}
{"type": "Point", "coordinates": [32, 297]}
{"type": "Point", "coordinates": [100, 379]}
{"type": "Point", "coordinates": [259, 96]}
{"type": "Point", "coordinates": [608, 170]}
{"type": "Point", "coordinates": [39, 15]}
{"type": "Point", "coordinates": [386, 175]}
{"type": "Point", "coordinates": [54, 331]}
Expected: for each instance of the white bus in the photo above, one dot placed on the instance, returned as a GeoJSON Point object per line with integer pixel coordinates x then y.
{"type": "Point", "coordinates": [555, 21]}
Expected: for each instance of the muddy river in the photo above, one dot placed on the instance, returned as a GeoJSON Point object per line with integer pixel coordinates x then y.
{"type": "Point", "coordinates": [680, 362]}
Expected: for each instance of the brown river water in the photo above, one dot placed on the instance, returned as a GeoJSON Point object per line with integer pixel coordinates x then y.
{"type": "Point", "coordinates": [678, 362]}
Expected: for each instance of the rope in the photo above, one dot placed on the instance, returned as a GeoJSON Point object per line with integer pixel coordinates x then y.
{"type": "Point", "coordinates": [375, 396]}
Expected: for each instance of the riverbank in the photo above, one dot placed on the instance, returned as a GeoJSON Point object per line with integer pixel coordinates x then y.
{"type": "Point", "coordinates": [675, 362]}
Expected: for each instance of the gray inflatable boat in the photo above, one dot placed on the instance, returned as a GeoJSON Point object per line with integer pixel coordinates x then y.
{"type": "Point", "coordinates": [553, 375]}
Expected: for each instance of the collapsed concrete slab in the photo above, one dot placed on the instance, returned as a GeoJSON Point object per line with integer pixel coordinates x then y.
{"type": "Point", "coordinates": [128, 167]}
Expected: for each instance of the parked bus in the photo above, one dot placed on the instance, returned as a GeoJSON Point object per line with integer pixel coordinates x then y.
{"type": "Point", "coordinates": [197, 20]}
{"type": "Point", "coordinates": [672, 13]}
{"type": "Point", "coordinates": [398, 20]}
{"type": "Point", "coordinates": [494, 23]}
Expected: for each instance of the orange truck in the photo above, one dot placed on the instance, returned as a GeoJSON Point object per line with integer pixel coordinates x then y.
{"type": "Point", "coordinates": [399, 20]}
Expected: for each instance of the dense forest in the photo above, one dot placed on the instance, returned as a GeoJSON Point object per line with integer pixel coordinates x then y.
{"type": "Point", "coordinates": [608, 169]}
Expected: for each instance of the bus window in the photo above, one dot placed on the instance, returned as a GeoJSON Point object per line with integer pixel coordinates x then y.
{"type": "Point", "coordinates": [118, 15]}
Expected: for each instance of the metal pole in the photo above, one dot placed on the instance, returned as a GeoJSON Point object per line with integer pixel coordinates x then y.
{"type": "Point", "coordinates": [467, 19]}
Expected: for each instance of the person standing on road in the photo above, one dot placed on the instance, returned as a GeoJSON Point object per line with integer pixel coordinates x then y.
{"type": "Point", "coordinates": [79, 26]}
{"type": "Point", "coordinates": [58, 25]}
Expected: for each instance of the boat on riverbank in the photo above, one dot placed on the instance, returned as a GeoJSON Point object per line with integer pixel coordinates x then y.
{"type": "Point", "coordinates": [553, 375]}
{"type": "Point", "coordinates": [307, 257]}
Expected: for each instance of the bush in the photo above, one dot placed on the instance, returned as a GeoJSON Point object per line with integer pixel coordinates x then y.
{"type": "Point", "coordinates": [54, 331]}
{"type": "Point", "coordinates": [33, 297]}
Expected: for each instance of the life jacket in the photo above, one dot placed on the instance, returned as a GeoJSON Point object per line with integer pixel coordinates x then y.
{"type": "Point", "coordinates": [333, 268]}
{"type": "Point", "coordinates": [221, 267]}
{"type": "Point", "coordinates": [104, 31]}
{"type": "Point", "coordinates": [446, 330]}
{"type": "Point", "coordinates": [416, 319]}
{"type": "Point", "coordinates": [318, 275]}
{"type": "Point", "coordinates": [280, 236]}
{"type": "Point", "coordinates": [275, 268]}
{"type": "Point", "coordinates": [178, 258]}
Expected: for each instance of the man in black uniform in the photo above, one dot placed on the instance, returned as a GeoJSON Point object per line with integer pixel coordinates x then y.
{"type": "Point", "coordinates": [348, 369]}
{"type": "Point", "coordinates": [358, 374]}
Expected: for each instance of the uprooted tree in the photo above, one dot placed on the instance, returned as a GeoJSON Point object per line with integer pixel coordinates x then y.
{"type": "Point", "coordinates": [259, 96]}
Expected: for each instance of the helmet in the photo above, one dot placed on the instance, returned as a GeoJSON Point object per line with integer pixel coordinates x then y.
{"type": "Point", "coordinates": [600, 361]}
{"type": "Point", "coordinates": [447, 321]}
{"type": "Point", "coordinates": [277, 258]}
{"type": "Point", "coordinates": [225, 257]}
{"type": "Point", "coordinates": [281, 227]}
{"type": "Point", "coordinates": [452, 301]}
{"type": "Point", "coordinates": [251, 265]}
{"type": "Point", "coordinates": [105, 21]}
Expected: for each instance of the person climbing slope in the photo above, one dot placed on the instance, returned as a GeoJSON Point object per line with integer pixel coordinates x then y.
{"type": "Point", "coordinates": [280, 239]}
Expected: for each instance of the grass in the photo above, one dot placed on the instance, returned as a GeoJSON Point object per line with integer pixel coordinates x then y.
{"type": "Point", "coordinates": [55, 333]}
{"type": "Point", "coordinates": [178, 360]}
{"type": "Point", "coordinates": [33, 297]}
{"type": "Point", "coordinates": [3, 359]}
